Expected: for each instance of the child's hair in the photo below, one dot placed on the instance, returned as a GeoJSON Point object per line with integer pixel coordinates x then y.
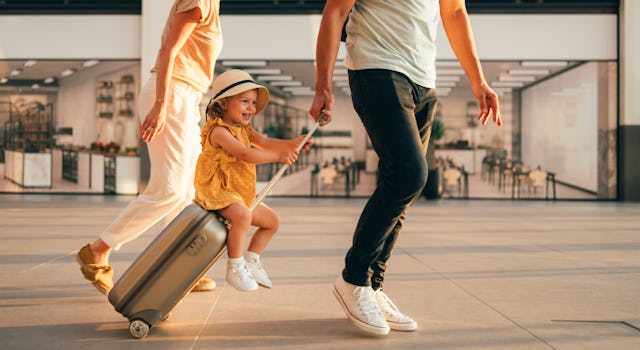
{"type": "Point", "coordinates": [216, 109]}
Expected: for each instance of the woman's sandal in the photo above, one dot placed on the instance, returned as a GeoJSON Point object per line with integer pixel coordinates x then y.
{"type": "Point", "coordinates": [101, 276]}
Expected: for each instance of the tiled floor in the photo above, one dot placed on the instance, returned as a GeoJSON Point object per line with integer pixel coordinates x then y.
{"type": "Point", "coordinates": [474, 274]}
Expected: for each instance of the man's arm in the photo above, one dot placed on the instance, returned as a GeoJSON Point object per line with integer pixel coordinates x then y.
{"type": "Point", "coordinates": [455, 21]}
{"type": "Point", "coordinates": [333, 17]}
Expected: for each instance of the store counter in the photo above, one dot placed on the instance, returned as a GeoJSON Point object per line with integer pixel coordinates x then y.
{"type": "Point", "coordinates": [28, 169]}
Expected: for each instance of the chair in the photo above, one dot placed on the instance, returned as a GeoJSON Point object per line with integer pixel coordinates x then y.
{"type": "Point", "coordinates": [536, 179]}
{"type": "Point", "coordinates": [328, 175]}
{"type": "Point", "coordinates": [451, 178]}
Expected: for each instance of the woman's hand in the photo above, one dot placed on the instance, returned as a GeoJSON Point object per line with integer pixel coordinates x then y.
{"type": "Point", "coordinates": [154, 122]}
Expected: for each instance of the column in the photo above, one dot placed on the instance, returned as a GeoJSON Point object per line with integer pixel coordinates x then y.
{"type": "Point", "coordinates": [629, 131]}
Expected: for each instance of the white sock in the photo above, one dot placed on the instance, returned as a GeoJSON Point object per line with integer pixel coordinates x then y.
{"type": "Point", "coordinates": [236, 261]}
{"type": "Point", "coordinates": [251, 256]}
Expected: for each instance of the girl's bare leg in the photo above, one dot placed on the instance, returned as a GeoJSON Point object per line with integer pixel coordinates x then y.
{"type": "Point", "coordinates": [240, 217]}
{"type": "Point", "coordinates": [267, 221]}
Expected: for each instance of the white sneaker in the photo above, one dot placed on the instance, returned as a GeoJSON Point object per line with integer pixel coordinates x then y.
{"type": "Point", "coordinates": [396, 319]}
{"type": "Point", "coordinates": [239, 277]}
{"type": "Point", "coordinates": [359, 303]}
{"type": "Point", "coordinates": [258, 272]}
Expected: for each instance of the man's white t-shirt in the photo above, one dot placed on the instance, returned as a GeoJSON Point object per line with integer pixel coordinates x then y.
{"type": "Point", "coordinates": [397, 35]}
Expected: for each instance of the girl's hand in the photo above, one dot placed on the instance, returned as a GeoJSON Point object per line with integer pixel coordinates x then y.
{"type": "Point", "coordinates": [307, 144]}
{"type": "Point", "coordinates": [288, 157]}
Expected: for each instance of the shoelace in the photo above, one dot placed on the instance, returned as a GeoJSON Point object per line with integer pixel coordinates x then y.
{"type": "Point", "coordinates": [388, 304]}
{"type": "Point", "coordinates": [247, 274]}
{"type": "Point", "coordinates": [366, 302]}
{"type": "Point", "coordinates": [259, 268]}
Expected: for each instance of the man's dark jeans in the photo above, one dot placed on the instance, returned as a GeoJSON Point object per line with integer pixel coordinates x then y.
{"type": "Point", "coordinates": [397, 115]}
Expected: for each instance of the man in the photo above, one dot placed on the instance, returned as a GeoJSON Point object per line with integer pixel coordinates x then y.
{"type": "Point", "coordinates": [391, 62]}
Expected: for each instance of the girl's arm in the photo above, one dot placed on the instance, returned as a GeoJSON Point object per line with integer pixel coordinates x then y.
{"type": "Point", "coordinates": [221, 137]}
{"type": "Point", "coordinates": [275, 144]}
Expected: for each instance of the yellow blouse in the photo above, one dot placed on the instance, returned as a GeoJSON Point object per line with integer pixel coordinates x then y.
{"type": "Point", "coordinates": [221, 179]}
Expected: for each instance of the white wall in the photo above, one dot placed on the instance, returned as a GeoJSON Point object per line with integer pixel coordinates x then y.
{"type": "Point", "coordinates": [70, 37]}
{"type": "Point", "coordinates": [560, 120]}
{"type": "Point", "coordinates": [499, 37]}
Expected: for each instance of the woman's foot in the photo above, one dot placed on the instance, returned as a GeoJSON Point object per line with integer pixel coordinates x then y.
{"type": "Point", "coordinates": [101, 276]}
{"type": "Point", "coordinates": [204, 285]}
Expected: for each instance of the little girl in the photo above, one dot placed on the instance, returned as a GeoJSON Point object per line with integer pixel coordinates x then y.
{"type": "Point", "coordinates": [225, 177]}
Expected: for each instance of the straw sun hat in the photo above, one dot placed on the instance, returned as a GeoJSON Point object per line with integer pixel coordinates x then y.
{"type": "Point", "coordinates": [236, 81]}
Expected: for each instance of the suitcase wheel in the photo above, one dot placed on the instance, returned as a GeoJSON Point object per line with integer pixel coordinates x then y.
{"type": "Point", "coordinates": [138, 328]}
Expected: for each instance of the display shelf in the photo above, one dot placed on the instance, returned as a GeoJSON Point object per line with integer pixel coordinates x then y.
{"type": "Point", "coordinates": [109, 174]}
{"type": "Point", "coordinates": [125, 97]}
{"type": "Point", "coordinates": [121, 174]}
{"type": "Point", "coordinates": [30, 127]}
{"type": "Point", "coordinates": [104, 99]}
{"type": "Point", "coordinates": [70, 165]}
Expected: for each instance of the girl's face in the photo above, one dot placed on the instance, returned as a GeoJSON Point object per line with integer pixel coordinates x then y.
{"type": "Point", "coordinates": [239, 109]}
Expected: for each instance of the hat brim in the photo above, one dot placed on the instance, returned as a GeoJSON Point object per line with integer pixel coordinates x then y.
{"type": "Point", "coordinates": [263, 94]}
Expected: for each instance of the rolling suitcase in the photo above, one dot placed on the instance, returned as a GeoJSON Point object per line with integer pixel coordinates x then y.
{"type": "Point", "coordinates": [174, 262]}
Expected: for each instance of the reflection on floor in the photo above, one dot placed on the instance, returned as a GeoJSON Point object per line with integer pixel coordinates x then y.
{"type": "Point", "coordinates": [362, 185]}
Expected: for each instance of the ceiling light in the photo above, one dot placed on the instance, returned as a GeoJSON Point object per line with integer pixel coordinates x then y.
{"type": "Point", "coordinates": [544, 63]}
{"type": "Point", "coordinates": [450, 71]}
{"type": "Point", "coordinates": [529, 71]}
{"type": "Point", "coordinates": [259, 71]}
{"type": "Point", "coordinates": [507, 84]}
{"type": "Point", "coordinates": [67, 72]}
{"type": "Point", "coordinates": [446, 84]}
{"type": "Point", "coordinates": [245, 63]}
{"type": "Point", "coordinates": [295, 88]}
{"type": "Point", "coordinates": [30, 63]}
{"type": "Point", "coordinates": [3, 80]}
{"type": "Point", "coordinates": [49, 80]}
{"type": "Point", "coordinates": [502, 91]}
{"type": "Point", "coordinates": [286, 83]}
{"type": "Point", "coordinates": [35, 86]}
{"type": "Point", "coordinates": [447, 78]}
{"type": "Point", "coordinates": [447, 64]}
{"type": "Point", "coordinates": [275, 78]}
{"type": "Point", "coordinates": [300, 91]}
{"type": "Point", "coordinates": [527, 78]}
{"type": "Point", "coordinates": [15, 72]}
{"type": "Point", "coordinates": [90, 63]}
{"type": "Point", "coordinates": [340, 71]}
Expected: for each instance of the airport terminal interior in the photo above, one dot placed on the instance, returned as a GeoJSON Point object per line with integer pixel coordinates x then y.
{"type": "Point", "coordinates": [526, 236]}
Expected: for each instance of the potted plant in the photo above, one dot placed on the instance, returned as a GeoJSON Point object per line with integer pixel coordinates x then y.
{"type": "Point", "coordinates": [434, 189]}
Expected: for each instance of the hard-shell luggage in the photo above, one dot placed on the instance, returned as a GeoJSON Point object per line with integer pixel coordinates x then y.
{"type": "Point", "coordinates": [169, 268]}
{"type": "Point", "coordinates": [174, 262]}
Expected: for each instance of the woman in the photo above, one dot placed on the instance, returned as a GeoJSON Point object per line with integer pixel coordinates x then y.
{"type": "Point", "coordinates": [169, 102]}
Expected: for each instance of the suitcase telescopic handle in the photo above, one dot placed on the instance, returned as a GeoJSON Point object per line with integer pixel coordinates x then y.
{"type": "Point", "coordinates": [284, 167]}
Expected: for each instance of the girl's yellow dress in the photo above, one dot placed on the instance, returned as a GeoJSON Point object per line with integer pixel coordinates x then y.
{"type": "Point", "coordinates": [221, 179]}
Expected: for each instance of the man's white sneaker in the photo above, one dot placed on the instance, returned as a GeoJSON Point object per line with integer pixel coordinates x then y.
{"type": "Point", "coordinates": [396, 319]}
{"type": "Point", "coordinates": [240, 278]}
{"type": "Point", "coordinates": [359, 303]}
{"type": "Point", "coordinates": [257, 271]}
